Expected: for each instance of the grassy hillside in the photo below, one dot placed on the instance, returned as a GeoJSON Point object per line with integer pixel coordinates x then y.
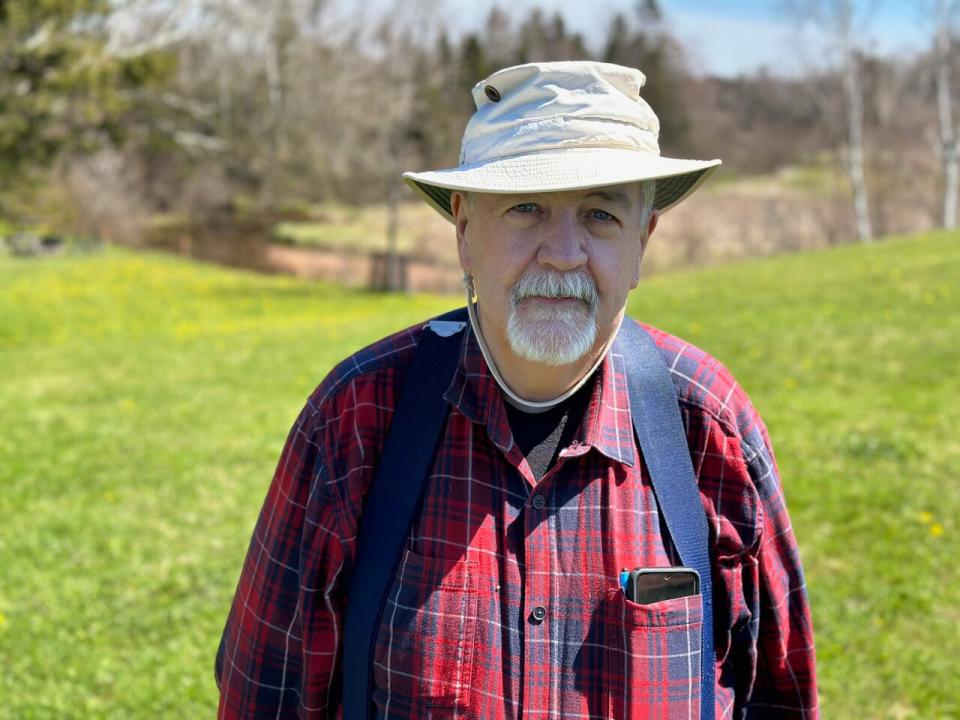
{"type": "Point", "coordinates": [144, 401]}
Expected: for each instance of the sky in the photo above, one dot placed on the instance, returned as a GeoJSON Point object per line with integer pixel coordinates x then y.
{"type": "Point", "coordinates": [730, 37]}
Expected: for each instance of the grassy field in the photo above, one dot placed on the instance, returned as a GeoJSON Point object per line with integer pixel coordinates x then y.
{"type": "Point", "coordinates": [144, 401]}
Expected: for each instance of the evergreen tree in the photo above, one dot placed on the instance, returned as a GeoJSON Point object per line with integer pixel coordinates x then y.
{"type": "Point", "coordinates": [474, 64]}
{"type": "Point", "coordinates": [59, 87]}
{"type": "Point", "coordinates": [650, 48]}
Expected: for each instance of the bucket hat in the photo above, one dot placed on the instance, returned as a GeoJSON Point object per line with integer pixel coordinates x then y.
{"type": "Point", "coordinates": [543, 127]}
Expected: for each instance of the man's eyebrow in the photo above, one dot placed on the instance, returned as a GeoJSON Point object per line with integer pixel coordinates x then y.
{"type": "Point", "coordinates": [617, 197]}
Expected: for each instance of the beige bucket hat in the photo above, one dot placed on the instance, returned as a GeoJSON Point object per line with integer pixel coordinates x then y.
{"type": "Point", "coordinates": [544, 127]}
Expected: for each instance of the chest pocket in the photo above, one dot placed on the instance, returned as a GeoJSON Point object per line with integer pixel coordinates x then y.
{"type": "Point", "coordinates": [426, 640]}
{"type": "Point", "coordinates": [653, 657]}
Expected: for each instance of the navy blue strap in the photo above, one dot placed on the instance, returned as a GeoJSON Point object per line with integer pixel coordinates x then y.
{"type": "Point", "coordinates": [393, 500]}
{"type": "Point", "coordinates": [663, 442]}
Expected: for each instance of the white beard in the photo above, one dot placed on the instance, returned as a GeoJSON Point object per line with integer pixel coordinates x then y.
{"type": "Point", "coordinates": [548, 334]}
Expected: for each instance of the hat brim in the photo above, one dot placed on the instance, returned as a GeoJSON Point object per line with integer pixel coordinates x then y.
{"type": "Point", "coordinates": [565, 169]}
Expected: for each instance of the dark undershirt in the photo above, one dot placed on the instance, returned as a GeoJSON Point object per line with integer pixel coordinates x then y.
{"type": "Point", "coordinates": [541, 436]}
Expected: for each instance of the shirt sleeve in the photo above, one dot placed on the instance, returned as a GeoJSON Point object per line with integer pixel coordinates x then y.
{"type": "Point", "coordinates": [766, 662]}
{"type": "Point", "coordinates": [288, 589]}
{"type": "Point", "coordinates": [785, 684]}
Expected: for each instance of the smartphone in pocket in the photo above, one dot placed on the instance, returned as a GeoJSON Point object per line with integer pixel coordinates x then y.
{"type": "Point", "coordinates": [650, 585]}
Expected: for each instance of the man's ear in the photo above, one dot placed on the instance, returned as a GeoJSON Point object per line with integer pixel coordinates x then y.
{"type": "Point", "coordinates": [458, 207]}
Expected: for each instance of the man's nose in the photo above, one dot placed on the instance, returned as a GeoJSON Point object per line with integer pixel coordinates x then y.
{"type": "Point", "coordinates": [563, 242]}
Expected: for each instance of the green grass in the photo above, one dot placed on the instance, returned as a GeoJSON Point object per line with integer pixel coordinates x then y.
{"type": "Point", "coordinates": [144, 401]}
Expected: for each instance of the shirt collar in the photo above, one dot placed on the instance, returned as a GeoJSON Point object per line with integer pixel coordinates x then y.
{"type": "Point", "coordinates": [607, 424]}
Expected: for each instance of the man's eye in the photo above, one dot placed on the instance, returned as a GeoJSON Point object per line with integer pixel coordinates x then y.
{"type": "Point", "coordinates": [524, 208]}
{"type": "Point", "coordinates": [601, 215]}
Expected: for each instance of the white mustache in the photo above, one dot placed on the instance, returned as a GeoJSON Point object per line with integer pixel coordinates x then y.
{"type": "Point", "coordinates": [555, 284]}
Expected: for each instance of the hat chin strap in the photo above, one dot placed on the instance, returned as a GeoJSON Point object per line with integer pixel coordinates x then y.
{"type": "Point", "coordinates": [527, 406]}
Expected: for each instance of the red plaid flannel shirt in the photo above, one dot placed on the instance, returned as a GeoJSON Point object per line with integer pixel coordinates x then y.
{"type": "Point", "coordinates": [506, 602]}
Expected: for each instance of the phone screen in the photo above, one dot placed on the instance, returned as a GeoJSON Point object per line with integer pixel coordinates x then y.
{"type": "Point", "coordinates": [650, 585]}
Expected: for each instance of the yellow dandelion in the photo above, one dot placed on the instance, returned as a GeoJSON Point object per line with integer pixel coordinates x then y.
{"type": "Point", "coordinates": [936, 529]}
{"type": "Point", "coordinates": [926, 517]}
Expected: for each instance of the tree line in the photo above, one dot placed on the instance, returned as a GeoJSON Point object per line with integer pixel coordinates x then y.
{"type": "Point", "coordinates": [114, 112]}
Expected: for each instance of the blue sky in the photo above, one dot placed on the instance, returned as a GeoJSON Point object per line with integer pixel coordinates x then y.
{"type": "Point", "coordinates": [727, 37]}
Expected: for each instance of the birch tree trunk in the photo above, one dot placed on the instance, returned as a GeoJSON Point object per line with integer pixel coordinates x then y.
{"type": "Point", "coordinates": [835, 20]}
{"type": "Point", "coordinates": [949, 150]}
{"type": "Point", "coordinates": [853, 98]}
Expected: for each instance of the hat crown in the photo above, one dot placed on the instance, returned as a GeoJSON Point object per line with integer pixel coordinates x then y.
{"type": "Point", "coordinates": [540, 107]}
{"type": "Point", "coordinates": [552, 127]}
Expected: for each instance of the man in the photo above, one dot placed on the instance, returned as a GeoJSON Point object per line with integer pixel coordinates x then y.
{"type": "Point", "coordinates": [506, 602]}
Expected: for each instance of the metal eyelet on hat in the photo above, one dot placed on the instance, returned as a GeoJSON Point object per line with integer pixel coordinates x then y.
{"type": "Point", "coordinates": [493, 95]}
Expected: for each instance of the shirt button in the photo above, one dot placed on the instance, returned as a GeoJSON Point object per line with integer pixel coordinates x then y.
{"type": "Point", "coordinates": [538, 614]}
{"type": "Point", "coordinates": [539, 502]}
